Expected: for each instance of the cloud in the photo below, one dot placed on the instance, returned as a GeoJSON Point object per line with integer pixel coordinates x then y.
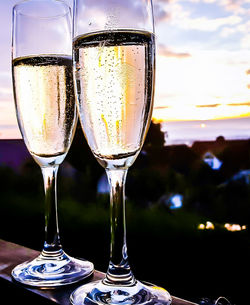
{"type": "Point", "coordinates": [233, 5]}
{"type": "Point", "coordinates": [165, 51]}
{"type": "Point", "coordinates": [218, 105]}
{"type": "Point", "coordinates": [236, 6]}
{"type": "Point", "coordinates": [245, 42]}
{"type": "Point", "coordinates": [160, 14]}
{"type": "Point", "coordinates": [207, 106]}
{"type": "Point", "coordinates": [239, 104]}
{"type": "Point", "coordinates": [242, 30]}
{"type": "Point", "coordinates": [209, 25]}
{"type": "Point", "coordinates": [161, 107]}
{"type": "Point", "coordinates": [184, 16]}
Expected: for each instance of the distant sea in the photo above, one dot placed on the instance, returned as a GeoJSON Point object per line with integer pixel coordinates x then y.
{"type": "Point", "coordinates": [187, 132]}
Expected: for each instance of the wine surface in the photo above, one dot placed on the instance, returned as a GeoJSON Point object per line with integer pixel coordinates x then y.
{"type": "Point", "coordinates": [114, 72]}
{"type": "Point", "coordinates": [45, 103]}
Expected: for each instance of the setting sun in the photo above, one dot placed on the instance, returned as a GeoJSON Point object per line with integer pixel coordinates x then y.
{"type": "Point", "coordinates": [204, 86]}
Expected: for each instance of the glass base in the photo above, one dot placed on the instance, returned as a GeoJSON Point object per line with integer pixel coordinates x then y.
{"type": "Point", "coordinates": [139, 293]}
{"type": "Point", "coordinates": [52, 270]}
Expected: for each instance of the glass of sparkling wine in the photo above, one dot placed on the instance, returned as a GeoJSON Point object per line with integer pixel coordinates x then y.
{"type": "Point", "coordinates": [114, 62]}
{"type": "Point", "coordinates": [46, 114]}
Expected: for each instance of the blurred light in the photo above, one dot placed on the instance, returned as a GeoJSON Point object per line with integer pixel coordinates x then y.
{"type": "Point", "coordinates": [103, 185]}
{"type": "Point", "coordinates": [201, 226]}
{"type": "Point", "coordinates": [176, 201]}
{"type": "Point", "coordinates": [208, 226]}
{"type": "Point", "coordinates": [234, 227]}
{"type": "Point", "coordinates": [242, 175]}
{"type": "Point", "coordinates": [212, 161]}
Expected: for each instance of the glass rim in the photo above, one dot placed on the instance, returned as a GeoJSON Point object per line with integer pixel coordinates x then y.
{"type": "Point", "coordinates": [23, 2]}
{"type": "Point", "coordinates": [113, 30]}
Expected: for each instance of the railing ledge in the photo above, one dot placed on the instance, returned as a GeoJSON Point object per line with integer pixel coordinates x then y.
{"type": "Point", "coordinates": [12, 254]}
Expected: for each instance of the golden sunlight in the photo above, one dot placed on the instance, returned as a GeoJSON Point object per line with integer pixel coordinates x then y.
{"type": "Point", "coordinates": [204, 86]}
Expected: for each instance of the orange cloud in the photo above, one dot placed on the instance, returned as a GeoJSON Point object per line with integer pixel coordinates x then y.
{"type": "Point", "coordinates": [165, 51]}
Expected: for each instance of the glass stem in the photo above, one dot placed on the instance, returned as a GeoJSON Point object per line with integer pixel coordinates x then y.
{"type": "Point", "coordinates": [119, 272]}
{"type": "Point", "coordinates": [52, 240]}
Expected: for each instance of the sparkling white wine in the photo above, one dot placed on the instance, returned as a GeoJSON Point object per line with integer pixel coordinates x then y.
{"type": "Point", "coordinates": [45, 103]}
{"type": "Point", "coordinates": [114, 82]}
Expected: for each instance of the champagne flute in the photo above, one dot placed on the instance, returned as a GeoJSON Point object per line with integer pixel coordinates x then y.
{"type": "Point", "coordinates": [46, 113]}
{"type": "Point", "coordinates": [113, 59]}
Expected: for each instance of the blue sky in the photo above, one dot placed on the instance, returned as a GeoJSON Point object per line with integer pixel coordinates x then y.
{"type": "Point", "coordinates": [203, 61]}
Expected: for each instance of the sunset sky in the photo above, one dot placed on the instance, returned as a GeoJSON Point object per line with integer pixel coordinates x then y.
{"type": "Point", "coordinates": [203, 64]}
